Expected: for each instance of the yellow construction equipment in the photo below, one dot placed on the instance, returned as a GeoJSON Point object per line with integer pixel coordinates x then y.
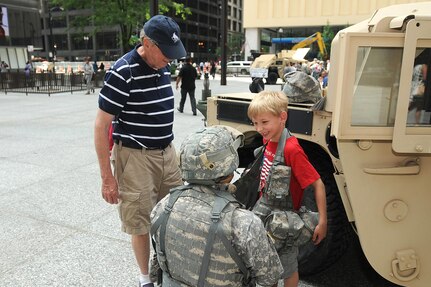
{"type": "Point", "coordinates": [316, 37]}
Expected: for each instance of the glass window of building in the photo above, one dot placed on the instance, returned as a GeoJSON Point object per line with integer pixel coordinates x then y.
{"type": "Point", "coordinates": [106, 40]}
{"type": "Point", "coordinates": [58, 22]}
{"type": "Point", "coordinates": [81, 42]}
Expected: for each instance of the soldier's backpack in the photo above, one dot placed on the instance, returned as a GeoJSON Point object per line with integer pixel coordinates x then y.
{"type": "Point", "coordinates": [248, 184]}
{"type": "Point", "coordinates": [216, 233]}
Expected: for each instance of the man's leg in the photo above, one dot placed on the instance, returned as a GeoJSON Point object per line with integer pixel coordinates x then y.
{"type": "Point", "coordinates": [135, 207]}
{"type": "Point", "coordinates": [183, 100]}
{"type": "Point", "coordinates": [193, 101]}
{"type": "Point", "coordinates": [88, 80]}
{"type": "Point", "coordinates": [141, 248]}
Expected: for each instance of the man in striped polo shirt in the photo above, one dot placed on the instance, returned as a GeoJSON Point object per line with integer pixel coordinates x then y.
{"type": "Point", "coordinates": [137, 97]}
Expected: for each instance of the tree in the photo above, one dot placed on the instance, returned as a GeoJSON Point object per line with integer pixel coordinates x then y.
{"type": "Point", "coordinates": [234, 43]}
{"type": "Point", "coordinates": [328, 35]}
{"type": "Point", "coordinates": [128, 15]}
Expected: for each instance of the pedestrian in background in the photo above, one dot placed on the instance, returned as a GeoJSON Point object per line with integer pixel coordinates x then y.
{"type": "Point", "coordinates": [95, 68]}
{"type": "Point", "coordinates": [187, 77]}
{"type": "Point", "coordinates": [88, 75]}
{"type": "Point", "coordinates": [138, 93]}
{"type": "Point", "coordinates": [213, 69]}
{"type": "Point", "coordinates": [28, 70]}
{"type": "Point", "coordinates": [3, 67]}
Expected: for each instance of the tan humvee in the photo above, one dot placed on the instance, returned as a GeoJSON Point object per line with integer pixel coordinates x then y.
{"type": "Point", "coordinates": [370, 143]}
{"type": "Point", "coordinates": [271, 66]}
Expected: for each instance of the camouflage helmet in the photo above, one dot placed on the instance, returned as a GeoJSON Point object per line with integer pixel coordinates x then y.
{"type": "Point", "coordinates": [210, 154]}
{"type": "Point", "coordinates": [301, 88]}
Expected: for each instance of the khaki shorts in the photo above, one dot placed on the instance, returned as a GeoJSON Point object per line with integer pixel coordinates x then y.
{"type": "Point", "coordinates": [289, 260]}
{"type": "Point", "coordinates": [144, 177]}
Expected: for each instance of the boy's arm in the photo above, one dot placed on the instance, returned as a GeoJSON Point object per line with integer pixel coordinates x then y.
{"type": "Point", "coordinates": [320, 195]}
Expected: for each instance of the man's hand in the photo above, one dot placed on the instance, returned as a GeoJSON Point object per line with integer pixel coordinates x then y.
{"type": "Point", "coordinates": [110, 190]}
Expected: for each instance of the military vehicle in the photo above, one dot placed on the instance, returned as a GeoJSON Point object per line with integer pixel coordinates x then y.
{"type": "Point", "coordinates": [271, 66]}
{"type": "Point", "coordinates": [373, 156]}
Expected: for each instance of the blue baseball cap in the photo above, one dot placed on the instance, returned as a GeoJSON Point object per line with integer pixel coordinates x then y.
{"type": "Point", "coordinates": [166, 33]}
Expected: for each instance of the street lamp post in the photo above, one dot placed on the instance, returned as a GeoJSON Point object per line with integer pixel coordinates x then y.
{"type": "Point", "coordinates": [223, 26]}
{"type": "Point", "coordinates": [280, 34]}
{"type": "Point", "coordinates": [154, 7]}
{"type": "Point", "coordinates": [86, 38]}
{"type": "Point", "coordinates": [51, 40]}
{"type": "Point", "coordinates": [52, 46]}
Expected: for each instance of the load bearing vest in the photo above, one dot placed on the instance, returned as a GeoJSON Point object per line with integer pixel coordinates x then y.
{"type": "Point", "coordinates": [184, 248]}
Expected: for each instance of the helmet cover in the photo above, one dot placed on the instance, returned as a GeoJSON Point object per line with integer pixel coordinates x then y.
{"type": "Point", "coordinates": [209, 154]}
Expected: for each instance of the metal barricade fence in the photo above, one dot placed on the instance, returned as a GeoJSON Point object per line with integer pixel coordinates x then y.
{"type": "Point", "coordinates": [45, 83]}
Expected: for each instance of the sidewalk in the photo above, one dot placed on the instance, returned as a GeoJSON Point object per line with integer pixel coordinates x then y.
{"type": "Point", "coordinates": [56, 230]}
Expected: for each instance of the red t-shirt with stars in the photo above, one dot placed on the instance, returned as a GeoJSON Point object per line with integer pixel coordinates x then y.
{"type": "Point", "coordinates": [303, 173]}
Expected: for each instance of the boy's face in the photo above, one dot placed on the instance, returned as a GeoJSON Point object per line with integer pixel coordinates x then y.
{"type": "Point", "coordinates": [270, 126]}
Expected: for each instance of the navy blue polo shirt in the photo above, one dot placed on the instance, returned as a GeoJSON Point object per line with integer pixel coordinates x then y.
{"type": "Point", "coordinates": [142, 101]}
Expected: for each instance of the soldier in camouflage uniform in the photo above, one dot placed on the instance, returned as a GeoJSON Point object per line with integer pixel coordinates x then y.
{"type": "Point", "coordinates": [203, 237]}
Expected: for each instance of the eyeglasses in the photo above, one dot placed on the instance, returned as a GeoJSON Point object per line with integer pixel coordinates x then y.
{"type": "Point", "coordinates": [157, 45]}
{"type": "Point", "coordinates": [154, 42]}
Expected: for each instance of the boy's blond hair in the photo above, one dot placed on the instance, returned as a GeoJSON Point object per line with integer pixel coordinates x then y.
{"type": "Point", "coordinates": [274, 102]}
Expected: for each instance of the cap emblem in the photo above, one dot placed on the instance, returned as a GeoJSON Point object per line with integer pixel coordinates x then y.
{"type": "Point", "coordinates": [175, 38]}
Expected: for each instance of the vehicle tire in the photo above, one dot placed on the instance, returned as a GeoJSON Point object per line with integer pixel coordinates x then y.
{"type": "Point", "coordinates": [313, 259]}
{"type": "Point", "coordinates": [272, 78]}
{"type": "Point", "coordinates": [243, 72]}
{"type": "Point", "coordinates": [256, 85]}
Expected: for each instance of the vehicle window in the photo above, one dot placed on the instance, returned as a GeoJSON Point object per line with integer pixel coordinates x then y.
{"type": "Point", "coordinates": [376, 86]}
{"type": "Point", "coordinates": [419, 105]}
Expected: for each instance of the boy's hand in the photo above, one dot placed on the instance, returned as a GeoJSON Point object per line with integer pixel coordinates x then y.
{"type": "Point", "coordinates": [319, 233]}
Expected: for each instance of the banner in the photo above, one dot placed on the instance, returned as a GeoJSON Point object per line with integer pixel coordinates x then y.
{"type": "Point", "coordinates": [4, 22]}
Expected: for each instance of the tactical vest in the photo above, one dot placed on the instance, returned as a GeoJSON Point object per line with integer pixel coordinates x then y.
{"type": "Point", "coordinates": [275, 207]}
{"type": "Point", "coordinates": [275, 194]}
{"type": "Point", "coordinates": [194, 240]}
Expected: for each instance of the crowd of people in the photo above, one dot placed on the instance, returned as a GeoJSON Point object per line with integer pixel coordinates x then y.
{"type": "Point", "coordinates": [318, 69]}
{"type": "Point", "coordinates": [202, 68]}
{"type": "Point", "coordinates": [185, 205]}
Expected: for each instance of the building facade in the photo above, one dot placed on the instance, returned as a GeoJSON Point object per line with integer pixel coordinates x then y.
{"type": "Point", "coordinates": [268, 19]}
{"type": "Point", "coordinates": [48, 34]}
{"type": "Point", "coordinates": [20, 31]}
{"type": "Point", "coordinates": [200, 32]}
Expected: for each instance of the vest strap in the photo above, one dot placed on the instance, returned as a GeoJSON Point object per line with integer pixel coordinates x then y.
{"type": "Point", "coordinates": [222, 199]}
{"type": "Point", "coordinates": [161, 222]}
{"type": "Point", "coordinates": [219, 204]}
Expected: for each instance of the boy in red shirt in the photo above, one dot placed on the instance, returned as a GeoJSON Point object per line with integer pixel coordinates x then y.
{"type": "Point", "coordinates": [268, 112]}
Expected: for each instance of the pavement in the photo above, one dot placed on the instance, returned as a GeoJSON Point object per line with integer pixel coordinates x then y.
{"type": "Point", "coordinates": [55, 228]}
